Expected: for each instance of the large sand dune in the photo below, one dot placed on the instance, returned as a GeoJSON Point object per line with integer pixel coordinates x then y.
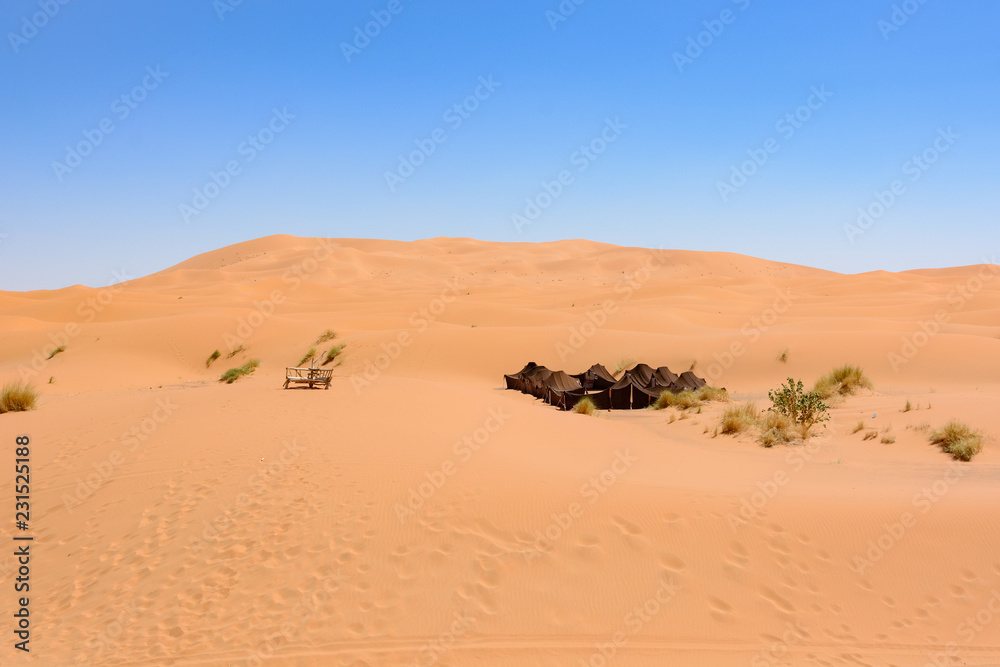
{"type": "Point", "coordinates": [415, 513]}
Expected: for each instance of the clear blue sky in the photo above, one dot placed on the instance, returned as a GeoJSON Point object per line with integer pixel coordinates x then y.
{"type": "Point", "coordinates": [679, 127]}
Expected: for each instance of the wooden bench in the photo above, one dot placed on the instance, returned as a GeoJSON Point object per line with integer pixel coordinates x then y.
{"type": "Point", "coordinates": [311, 376]}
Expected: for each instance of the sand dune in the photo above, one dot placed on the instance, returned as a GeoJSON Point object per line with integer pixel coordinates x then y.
{"type": "Point", "coordinates": [415, 513]}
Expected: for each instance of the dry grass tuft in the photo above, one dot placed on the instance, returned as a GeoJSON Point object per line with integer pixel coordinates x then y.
{"type": "Point", "coordinates": [585, 406]}
{"type": "Point", "coordinates": [211, 358]}
{"type": "Point", "coordinates": [17, 397]}
{"type": "Point", "coordinates": [329, 334]}
{"type": "Point", "coordinates": [307, 356]}
{"type": "Point", "coordinates": [844, 381]}
{"type": "Point", "coordinates": [333, 353]}
{"type": "Point", "coordinates": [235, 351]}
{"type": "Point", "coordinates": [958, 440]}
{"type": "Point", "coordinates": [739, 418]}
{"type": "Point", "coordinates": [58, 350]}
{"type": "Point", "coordinates": [860, 426]}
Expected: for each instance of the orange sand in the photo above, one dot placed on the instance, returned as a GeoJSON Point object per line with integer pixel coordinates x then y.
{"type": "Point", "coordinates": [415, 513]}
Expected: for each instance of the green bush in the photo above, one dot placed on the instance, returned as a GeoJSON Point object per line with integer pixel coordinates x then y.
{"type": "Point", "coordinates": [234, 374]}
{"type": "Point", "coordinates": [211, 358]}
{"type": "Point", "coordinates": [333, 353]}
{"type": "Point", "coordinates": [804, 408]}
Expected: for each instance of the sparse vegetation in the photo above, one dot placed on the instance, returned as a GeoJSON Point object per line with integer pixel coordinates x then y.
{"type": "Point", "coordinates": [234, 374]}
{"type": "Point", "coordinates": [776, 429]}
{"type": "Point", "coordinates": [871, 435]}
{"type": "Point", "coordinates": [694, 365]}
{"type": "Point", "coordinates": [333, 353]}
{"type": "Point", "coordinates": [959, 440]}
{"type": "Point", "coordinates": [585, 406]}
{"type": "Point", "coordinates": [805, 409]}
{"type": "Point", "coordinates": [844, 381]}
{"type": "Point", "coordinates": [888, 439]}
{"type": "Point", "coordinates": [783, 357]}
{"type": "Point", "coordinates": [623, 365]}
{"type": "Point", "coordinates": [58, 350]}
{"type": "Point", "coordinates": [860, 426]}
{"type": "Point", "coordinates": [52, 379]}
{"type": "Point", "coordinates": [908, 406]}
{"type": "Point", "coordinates": [236, 350]}
{"type": "Point", "coordinates": [688, 399]}
{"type": "Point", "coordinates": [211, 358]}
{"type": "Point", "coordinates": [307, 356]}
{"type": "Point", "coordinates": [17, 397]}
{"type": "Point", "coordinates": [329, 334]}
{"type": "Point", "coordinates": [739, 418]}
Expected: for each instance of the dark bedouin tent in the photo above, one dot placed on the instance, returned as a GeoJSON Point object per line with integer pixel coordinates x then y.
{"type": "Point", "coordinates": [642, 374]}
{"type": "Point", "coordinates": [638, 387]}
{"type": "Point", "coordinates": [596, 377]}
{"type": "Point", "coordinates": [664, 377]}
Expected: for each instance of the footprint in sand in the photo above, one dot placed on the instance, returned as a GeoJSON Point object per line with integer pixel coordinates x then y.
{"type": "Point", "coordinates": [720, 609]}
{"type": "Point", "coordinates": [779, 603]}
{"type": "Point", "coordinates": [672, 563]}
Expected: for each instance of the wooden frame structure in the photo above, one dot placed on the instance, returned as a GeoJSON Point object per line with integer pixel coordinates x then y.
{"type": "Point", "coordinates": [312, 376]}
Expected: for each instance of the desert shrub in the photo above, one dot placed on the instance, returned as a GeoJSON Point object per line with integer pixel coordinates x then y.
{"type": "Point", "coordinates": [58, 350]}
{"type": "Point", "coordinates": [329, 334]}
{"type": "Point", "coordinates": [333, 353]}
{"type": "Point", "coordinates": [805, 408]}
{"type": "Point", "coordinates": [739, 418]}
{"type": "Point", "coordinates": [908, 406]}
{"type": "Point", "coordinates": [585, 406]}
{"type": "Point", "coordinates": [211, 358]}
{"type": "Point", "coordinates": [843, 381]}
{"type": "Point", "coordinates": [871, 435]}
{"type": "Point", "coordinates": [17, 397]}
{"type": "Point", "coordinates": [307, 356]}
{"type": "Point", "coordinates": [783, 357]}
{"type": "Point", "coordinates": [234, 374]}
{"type": "Point", "coordinates": [236, 350]}
{"type": "Point", "coordinates": [860, 426]}
{"type": "Point", "coordinates": [958, 440]}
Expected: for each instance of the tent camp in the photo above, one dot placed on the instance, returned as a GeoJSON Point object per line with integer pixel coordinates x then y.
{"type": "Point", "coordinates": [638, 387]}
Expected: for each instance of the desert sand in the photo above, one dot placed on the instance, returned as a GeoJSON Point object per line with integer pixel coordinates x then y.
{"type": "Point", "coordinates": [417, 514]}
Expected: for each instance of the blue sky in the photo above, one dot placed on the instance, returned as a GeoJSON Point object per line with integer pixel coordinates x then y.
{"type": "Point", "coordinates": [666, 121]}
